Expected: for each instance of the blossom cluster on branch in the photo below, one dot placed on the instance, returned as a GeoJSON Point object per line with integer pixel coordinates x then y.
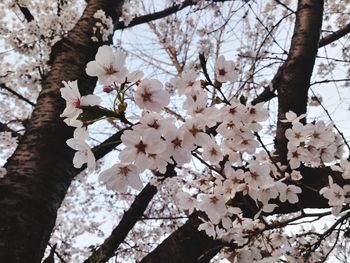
{"type": "Point", "coordinates": [218, 134]}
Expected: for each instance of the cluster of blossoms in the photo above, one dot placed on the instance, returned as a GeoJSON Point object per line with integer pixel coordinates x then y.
{"type": "Point", "coordinates": [312, 143]}
{"type": "Point", "coordinates": [317, 144]}
{"type": "Point", "coordinates": [222, 136]}
{"type": "Point", "coordinates": [103, 27]}
{"type": "Point", "coordinates": [128, 11]}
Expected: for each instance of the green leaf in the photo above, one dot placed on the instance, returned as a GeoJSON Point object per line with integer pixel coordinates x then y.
{"type": "Point", "coordinates": [94, 113]}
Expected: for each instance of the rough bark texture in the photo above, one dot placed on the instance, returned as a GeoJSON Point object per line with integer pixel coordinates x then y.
{"type": "Point", "coordinates": [293, 80]}
{"type": "Point", "coordinates": [185, 245]}
{"type": "Point", "coordinates": [40, 171]}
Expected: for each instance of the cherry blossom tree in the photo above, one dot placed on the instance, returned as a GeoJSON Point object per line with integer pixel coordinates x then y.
{"type": "Point", "coordinates": [205, 129]}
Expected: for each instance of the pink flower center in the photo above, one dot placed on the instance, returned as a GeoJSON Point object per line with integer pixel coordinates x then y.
{"type": "Point", "coordinates": [141, 147]}
{"type": "Point", "coordinates": [76, 103]}
{"type": "Point", "coordinates": [146, 96]}
{"type": "Point", "coordinates": [124, 170]}
{"type": "Point", "coordinates": [176, 142]}
{"type": "Point", "coordinates": [222, 72]}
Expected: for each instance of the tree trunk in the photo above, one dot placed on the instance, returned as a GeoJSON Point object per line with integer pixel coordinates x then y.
{"type": "Point", "coordinates": [293, 79]}
{"type": "Point", "coordinates": [40, 170]}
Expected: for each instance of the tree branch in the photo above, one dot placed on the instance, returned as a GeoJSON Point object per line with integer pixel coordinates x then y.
{"type": "Point", "coordinates": [27, 14]}
{"type": "Point", "coordinates": [5, 128]}
{"type": "Point", "coordinates": [156, 15]}
{"type": "Point", "coordinates": [160, 14]}
{"type": "Point", "coordinates": [119, 233]}
{"type": "Point", "coordinates": [334, 36]}
{"type": "Point", "coordinates": [185, 245]}
{"type": "Point", "coordinates": [268, 94]}
{"type": "Point", "coordinates": [128, 221]}
{"type": "Point", "coordinates": [3, 86]}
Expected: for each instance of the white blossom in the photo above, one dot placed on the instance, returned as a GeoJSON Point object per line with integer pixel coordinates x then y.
{"type": "Point", "coordinates": [74, 101]}
{"type": "Point", "coordinates": [214, 206]}
{"type": "Point", "coordinates": [108, 66]}
{"type": "Point", "coordinates": [225, 70]}
{"type": "Point", "coordinates": [212, 152]}
{"type": "Point", "coordinates": [334, 193]}
{"type": "Point", "coordinates": [150, 95]}
{"type": "Point", "coordinates": [141, 148]}
{"type": "Point", "coordinates": [186, 201]}
{"type": "Point", "coordinates": [343, 167]}
{"type": "Point", "coordinates": [187, 82]}
{"type": "Point", "coordinates": [120, 176]}
{"type": "Point", "coordinates": [288, 192]}
{"type": "Point", "coordinates": [84, 153]}
{"type": "Point", "coordinates": [292, 117]}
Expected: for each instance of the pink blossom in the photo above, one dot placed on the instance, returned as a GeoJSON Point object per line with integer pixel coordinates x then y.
{"type": "Point", "coordinates": [150, 95]}
{"type": "Point", "coordinates": [120, 176]}
{"type": "Point", "coordinates": [108, 66]}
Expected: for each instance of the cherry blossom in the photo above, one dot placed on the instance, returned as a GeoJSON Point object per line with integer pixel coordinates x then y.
{"type": "Point", "coordinates": [175, 146]}
{"type": "Point", "coordinates": [103, 27]}
{"type": "Point", "coordinates": [214, 206]}
{"type": "Point", "coordinates": [343, 167]}
{"type": "Point", "coordinates": [134, 76]}
{"type": "Point", "coordinates": [296, 175]}
{"type": "Point", "coordinates": [288, 192]}
{"type": "Point", "coordinates": [292, 117]}
{"type": "Point", "coordinates": [257, 113]}
{"type": "Point", "coordinates": [258, 175]}
{"type": "Point", "coordinates": [196, 102]}
{"type": "Point", "coordinates": [209, 228]}
{"type": "Point", "coordinates": [108, 66]}
{"type": "Point", "coordinates": [186, 201]}
{"type": "Point", "coordinates": [334, 193]}
{"type": "Point", "coordinates": [297, 134]}
{"type": "Point", "coordinates": [120, 176]}
{"type": "Point", "coordinates": [84, 153]}
{"type": "Point", "coordinates": [212, 152]}
{"type": "Point", "coordinates": [141, 148]}
{"type": "Point", "coordinates": [213, 131]}
{"type": "Point", "coordinates": [187, 82]}
{"type": "Point", "coordinates": [222, 167]}
{"type": "Point", "coordinates": [150, 95]}
{"type": "Point", "coordinates": [194, 132]}
{"type": "Point", "coordinates": [74, 101]}
{"type": "Point", "coordinates": [293, 156]}
{"type": "Point", "coordinates": [225, 70]}
{"type": "Point", "coordinates": [152, 120]}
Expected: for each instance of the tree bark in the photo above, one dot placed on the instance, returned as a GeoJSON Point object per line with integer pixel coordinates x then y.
{"type": "Point", "coordinates": [185, 245]}
{"type": "Point", "coordinates": [40, 170]}
{"type": "Point", "coordinates": [292, 81]}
